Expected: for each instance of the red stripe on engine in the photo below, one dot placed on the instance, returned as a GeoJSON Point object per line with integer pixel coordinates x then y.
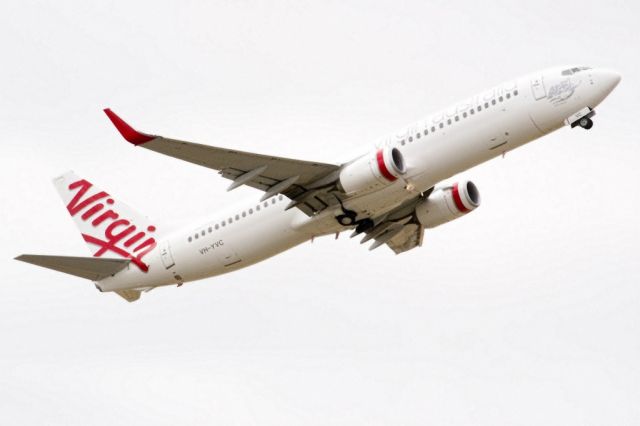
{"type": "Point", "coordinates": [457, 200]}
{"type": "Point", "coordinates": [383, 167]}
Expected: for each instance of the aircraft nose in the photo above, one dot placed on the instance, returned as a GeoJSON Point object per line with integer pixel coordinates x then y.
{"type": "Point", "coordinates": [609, 79]}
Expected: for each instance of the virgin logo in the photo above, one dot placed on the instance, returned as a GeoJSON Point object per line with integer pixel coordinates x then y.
{"type": "Point", "coordinates": [120, 234]}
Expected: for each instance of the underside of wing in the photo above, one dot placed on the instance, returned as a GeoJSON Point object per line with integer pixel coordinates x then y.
{"type": "Point", "coordinates": [399, 229]}
{"type": "Point", "coordinates": [308, 184]}
{"type": "Point", "coordinates": [410, 237]}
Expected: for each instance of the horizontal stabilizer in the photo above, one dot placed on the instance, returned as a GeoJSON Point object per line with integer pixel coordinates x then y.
{"type": "Point", "coordinates": [91, 268]}
{"type": "Point", "coordinates": [129, 295]}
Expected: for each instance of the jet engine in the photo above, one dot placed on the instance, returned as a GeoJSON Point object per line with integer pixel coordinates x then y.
{"type": "Point", "coordinates": [373, 171]}
{"type": "Point", "coordinates": [448, 203]}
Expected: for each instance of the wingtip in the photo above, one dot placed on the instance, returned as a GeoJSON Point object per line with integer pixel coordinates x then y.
{"type": "Point", "coordinates": [129, 133]}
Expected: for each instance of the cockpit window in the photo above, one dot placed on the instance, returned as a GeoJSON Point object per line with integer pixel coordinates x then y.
{"type": "Point", "coordinates": [571, 71]}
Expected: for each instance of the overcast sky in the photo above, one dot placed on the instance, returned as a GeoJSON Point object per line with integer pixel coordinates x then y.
{"type": "Point", "coordinates": [526, 311]}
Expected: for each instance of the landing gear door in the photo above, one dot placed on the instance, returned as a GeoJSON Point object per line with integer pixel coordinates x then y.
{"type": "Point", "coordinates": [537, 88]}
{"type": "Point", "coordinates": [165, 255]}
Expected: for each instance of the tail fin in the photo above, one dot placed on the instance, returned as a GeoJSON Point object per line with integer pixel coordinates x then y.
{"type": "Point", "coordinates": [108, 226]}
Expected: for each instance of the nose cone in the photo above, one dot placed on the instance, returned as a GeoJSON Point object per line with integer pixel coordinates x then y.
{"type": "Point", "coordinates": [608, 79]}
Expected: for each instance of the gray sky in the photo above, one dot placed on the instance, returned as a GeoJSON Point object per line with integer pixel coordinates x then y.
{"type": "Point", "coordinates": [524, 312]}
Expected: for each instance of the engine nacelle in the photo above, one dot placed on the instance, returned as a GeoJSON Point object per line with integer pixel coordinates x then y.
{"type": "Point", "coordinates": [373, 171]}
{"type": "Point", "coordinates": [448, 203]}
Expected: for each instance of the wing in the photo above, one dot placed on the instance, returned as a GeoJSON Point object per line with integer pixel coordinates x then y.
{"type": "Point", "coordinates": [399, 229]}
{"type": "Point", "coordinates": [308, 184]}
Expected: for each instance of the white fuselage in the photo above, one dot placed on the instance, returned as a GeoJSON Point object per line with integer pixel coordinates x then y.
{"type": "Point", "coordinates": [443, 144]}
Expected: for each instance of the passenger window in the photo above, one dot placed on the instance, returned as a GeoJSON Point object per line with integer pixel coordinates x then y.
{"type": "Point", "coordinates": [273, 201]}
{"type": "Point", "coordinates": [508, 95]}
{"type": "Point", "coordinates": [237, 217]}
{"type": "Point", "coordinates": [471, 111]}
{"type": "Point", "coordinates": [501, 99]}
{"type": "Point", "coordinates": [417, 135]}
{"type": "Point", "coordinates": [457, 118]}
{"type": "Point", "coordinates": [190, 239]}
{"type": "Point", "coordinates": [210, 229]}
{"type": "Point", "coordinates": [402, 142]}
{"type": "Point", "coordinates": [486, 105]}
{"type": "Point", "coordinates": [433, 129]}
{"type": "Point", "coordinates": [449, 121]}
{"type": "Point", "coordinates": [464, 114]}
{"type": "Point", "coordinates": [203, 232]}
{"type": "Point", "coordinates": [258, 207]}
{"type": "Point", "coordinates": [515, 92]}
{"type": "Point", "coordinates": [196, 236]}
{"type": "Point", "coordinates": [493, 101]}
{"type": "Point", "coordinates": [280, 197]}
{"type": "Point", "coordinates": [410, 138]}
{"type": "Point", "coordinates": [230, 220]}
{"type": "Point", "coordinates": [244, 214]}
{"type": "Point", "coordinates": [266, 204]}
{"type": "Point", "coordinates": [479, 108]}
{"type": "Point", "coordinates": [441, 125]}
{"type": "Point", "coordinates": [217, 226]}
{"type": "Point", "coordinates": [224, 223]}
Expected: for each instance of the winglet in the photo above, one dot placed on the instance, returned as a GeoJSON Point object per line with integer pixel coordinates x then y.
{"type": "Point", "coordinates": [128, 132]}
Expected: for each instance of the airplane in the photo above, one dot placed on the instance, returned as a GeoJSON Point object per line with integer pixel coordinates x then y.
{"type": "Point", "coordinates": [389, 194]}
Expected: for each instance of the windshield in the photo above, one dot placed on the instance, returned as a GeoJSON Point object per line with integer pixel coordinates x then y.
{"type": "Point", "coordinates": [570, 71]}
